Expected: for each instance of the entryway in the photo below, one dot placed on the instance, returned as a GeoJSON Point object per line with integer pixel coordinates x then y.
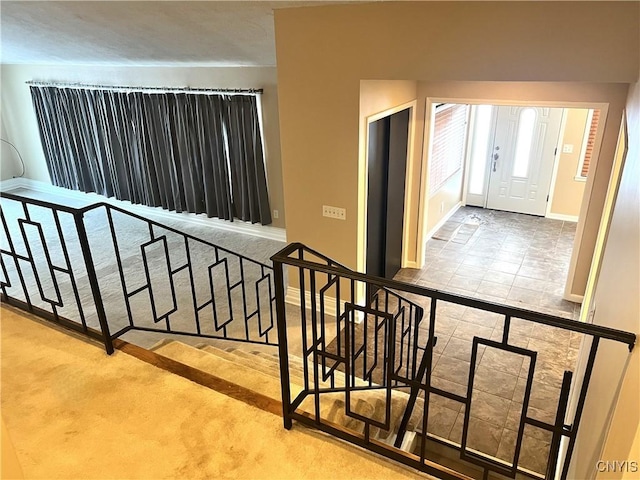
{"type": "Point", "coordinates": [520, 150]}
{"type": "Point", "coordinates": [520, 158]}
{"type": "Point", "coordinates": [529, 159]}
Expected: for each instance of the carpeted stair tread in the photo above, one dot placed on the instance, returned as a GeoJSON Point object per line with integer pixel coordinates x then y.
{"type": "Point", "coordinates": [263, 376]}
{"type": "Point", "coordinates": [220, 367]}
{"type": "Point", "coordinates": [274, 357]}
{"type": "Point", "coordinates": [293, 359]}
{"type": "Point", "coordinates": [232, 357]}
{"type": "Point", "coordinates": [248, 360]}
{"type": "Point", "coordinates": [263, 362]}
{"type": "Point", "coordinates": [159, 343]}
{"type": "Point", "coordinates": [270, 363]}
{"type": "Point", "coordinates": [333, 410]}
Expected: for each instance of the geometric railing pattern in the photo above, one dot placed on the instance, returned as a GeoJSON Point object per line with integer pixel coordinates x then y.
{"type": "Point", "coordinates": [101, 269]}
{"type": "Point", "coordinates": [41, 269]}
{"type": "Point", "coordinates": [340, 358]}
{"type": "Point", "coordinates": [373, 382]}
{"type": "Point", "coordinates": [370, 347]}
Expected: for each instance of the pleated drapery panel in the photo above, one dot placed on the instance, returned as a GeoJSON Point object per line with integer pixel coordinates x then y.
{"type": "Point", "coordinates": [248, 174]}
{"type": "Point", "coordinates": [181, 151]}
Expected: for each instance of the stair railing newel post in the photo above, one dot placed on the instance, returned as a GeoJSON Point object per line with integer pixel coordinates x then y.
{"type": "Point", "coordinates": [78, 217]}
{"type": "Point", "coordinates": [283, 351]}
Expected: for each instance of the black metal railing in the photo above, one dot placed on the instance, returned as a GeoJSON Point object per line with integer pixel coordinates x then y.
{"type": "Point", "coordinates": [369, 349]}
{"type": "Point", "coordinates": [100, 269]}
{"type": "Point", "coordinates": [375, 395]}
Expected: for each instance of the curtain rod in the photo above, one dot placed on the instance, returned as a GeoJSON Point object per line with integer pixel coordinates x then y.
{"type": "Point", "coordinates": [227, 91]}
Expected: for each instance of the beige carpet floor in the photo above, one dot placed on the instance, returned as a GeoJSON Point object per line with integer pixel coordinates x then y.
{"type": "Point", "coordinates": [72, 412]}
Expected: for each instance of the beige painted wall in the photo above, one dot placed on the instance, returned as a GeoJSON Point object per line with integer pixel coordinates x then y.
{"type": "Point", "coordinates": [441, 203]}
{"type": "Point", "coordinates": [377, 96]}
{"type": "Point", "coordinates": [21, 127]}
{"type": "Point", "coordinates": [324, 52]}
{"type": "Point", "coordinates": [617, 305]}
{"type": "Point", "coordinates": [623, 439]}
{"type": "Point", "coordinates": [567, 191]}
{"type": "Point", "coordinates": [635, 453]}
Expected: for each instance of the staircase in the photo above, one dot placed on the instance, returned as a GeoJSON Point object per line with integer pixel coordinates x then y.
{"type": "Point", "coordinates": [259, 371]}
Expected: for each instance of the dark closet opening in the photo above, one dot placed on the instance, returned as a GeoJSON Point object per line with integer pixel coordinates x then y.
{"type": "Point", "coordinates": [387, 165]}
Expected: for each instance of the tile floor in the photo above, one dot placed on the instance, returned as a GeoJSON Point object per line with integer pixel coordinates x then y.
{"type": "Point", "coordinates": [499, 382]}
{"type": "Point", "coordinates": [510, 259]}
{"type": "Point", "coordinates": [503, 257]}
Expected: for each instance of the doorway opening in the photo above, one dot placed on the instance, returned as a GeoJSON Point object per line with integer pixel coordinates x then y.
{"type": "Point", "coordinates": [502, 220]}
{"type": "Point", "coordinates": [519, 156]}
{"type": "Point", "coordinates": [388, 147]}
{"type": "Point", "coordinates": [520, 163]}
{"type": "Point", "coordinates": [385, 193]}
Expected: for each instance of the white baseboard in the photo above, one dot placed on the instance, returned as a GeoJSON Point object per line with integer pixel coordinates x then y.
{"type": "Point", "coordinates": [572, 297]}
{"type": "Point", "coordinates": [293, 298]}
{"type": "Point", "coordinates": [14, 183]}
{"type": "Point", "coordinates": [237, 226]}
{"type": "Point", "coordinates": [560, 216]}
{"type": "Point", "coordinates": [442, 221]}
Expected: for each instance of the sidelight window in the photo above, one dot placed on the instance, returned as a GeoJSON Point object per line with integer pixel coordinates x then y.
{"type": "Point", "coordinates": [480, 148]}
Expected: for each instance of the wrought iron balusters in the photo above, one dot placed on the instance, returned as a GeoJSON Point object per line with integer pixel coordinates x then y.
{"type": "Point", "coordinates": [190, 286]}
{"type": "Point", "coordinates": [382, 352]}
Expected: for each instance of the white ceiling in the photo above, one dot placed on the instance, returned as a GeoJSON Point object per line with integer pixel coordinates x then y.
{"type": "Point", "coordinates": [214, 33]}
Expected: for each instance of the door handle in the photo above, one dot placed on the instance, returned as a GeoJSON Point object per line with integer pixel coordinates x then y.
{"type": "Point", "coordinates": [495, 161]}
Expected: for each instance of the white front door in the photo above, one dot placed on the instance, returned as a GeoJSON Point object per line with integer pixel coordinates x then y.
{"type": "Point", "coordinates": [522, 157]}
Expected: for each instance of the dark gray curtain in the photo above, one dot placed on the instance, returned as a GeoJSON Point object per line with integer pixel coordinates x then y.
{"type": "Point", "coordinates": [246, 158]}
{"type": "Point", "coordinates": [183, 152]}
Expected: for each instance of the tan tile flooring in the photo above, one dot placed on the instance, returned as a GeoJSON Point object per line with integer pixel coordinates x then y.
{"type": "Point", "coordinates": [510, 259]}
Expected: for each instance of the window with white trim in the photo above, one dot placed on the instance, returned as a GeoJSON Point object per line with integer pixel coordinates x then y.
{"type": "Point", "coordinates": [448, 145]}
{"type": "Point", "coordinates": [588, 144]}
